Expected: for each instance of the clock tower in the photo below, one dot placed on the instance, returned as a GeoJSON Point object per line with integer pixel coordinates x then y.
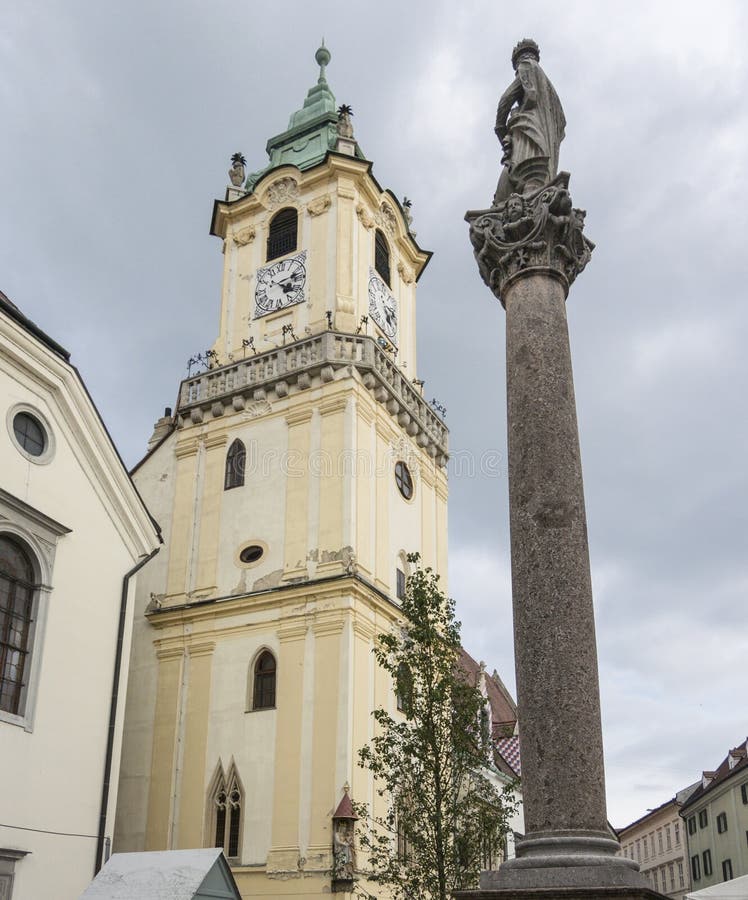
{"type": "Point", "coordinates": [301, 466]}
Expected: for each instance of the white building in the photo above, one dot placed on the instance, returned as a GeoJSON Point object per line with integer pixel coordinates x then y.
{"type": "Point", "coordinates": [73, 532]}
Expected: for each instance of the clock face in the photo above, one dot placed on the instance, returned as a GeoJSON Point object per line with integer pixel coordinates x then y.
{"type": "Point", "coordinates": [280, 285]}
{"type": "Point", "coordinates": [382, 307]}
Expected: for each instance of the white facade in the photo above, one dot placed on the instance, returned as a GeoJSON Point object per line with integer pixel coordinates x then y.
{"type": "Point", "coordinates": [73, 514]}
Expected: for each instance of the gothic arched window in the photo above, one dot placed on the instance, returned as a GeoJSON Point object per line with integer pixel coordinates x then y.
{"type": "Point", "coordinates": [227, 801]}
{"type": "Point", "coordinates": [382, 255]}
{"type": "Point", "coordinates": [263, 693]}
{"type": "Point", "coordinates": [17, 594]}
{"type": "Point", "coordinates": [283, 233]}
{"type": "Point", "coordinates": [236, 460]}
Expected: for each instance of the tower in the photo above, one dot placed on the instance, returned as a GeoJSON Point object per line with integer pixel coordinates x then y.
{"type": "Point", "coordinates": [298, 471]}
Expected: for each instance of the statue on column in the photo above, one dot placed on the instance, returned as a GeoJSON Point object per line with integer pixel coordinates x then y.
{"type": "Point", "coordinates": [530, 125]}
{"type": "Point", "coordinates": [532, 223]}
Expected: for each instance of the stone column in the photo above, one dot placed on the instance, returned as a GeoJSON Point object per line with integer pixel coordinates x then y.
{"type": "Point", "coordinates": [529, 250]}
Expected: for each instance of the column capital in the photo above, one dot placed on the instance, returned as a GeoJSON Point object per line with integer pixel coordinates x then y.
{"type": "Point", "coordinates": [529, 234]}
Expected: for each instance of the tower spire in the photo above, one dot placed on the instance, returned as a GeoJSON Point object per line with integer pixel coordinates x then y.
{"type": "Point", "coordinates": [323, 57]}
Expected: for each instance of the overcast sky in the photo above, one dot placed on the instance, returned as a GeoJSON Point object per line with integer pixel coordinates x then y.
{"type": "Point", "coordinates": [118, 121]}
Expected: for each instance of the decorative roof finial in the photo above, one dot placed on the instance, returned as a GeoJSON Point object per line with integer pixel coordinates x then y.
{"type": "Point", "coordinates": [323, 57]}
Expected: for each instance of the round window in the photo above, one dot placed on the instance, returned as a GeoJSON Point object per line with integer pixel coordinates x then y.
{"type": "Point", "coordinates": [30, 433]}
{"type": "Point", "coordinates": [404, 480]}
{"type": "Point", "coordinates": [251, 554]}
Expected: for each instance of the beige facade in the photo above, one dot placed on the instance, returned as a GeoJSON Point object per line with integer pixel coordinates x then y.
{"type": "Point", "coordinates": [71, 527]}
{"type": "Point", "coordinates": [284, 574]}
{"type": "Point", "coordinates": [657, 842]}
{"type": "Point", "coordinates": [715, 819]}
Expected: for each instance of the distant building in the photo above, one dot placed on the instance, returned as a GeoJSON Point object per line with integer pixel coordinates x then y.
{"type": "Point", "coordinates": [657, 842]}
{"type": "Point", "coordinates": [73, 531]}
{"type": "Point", "coordinates": [505, 765]}
{"type": "Point", "coordinates": [716, 822]}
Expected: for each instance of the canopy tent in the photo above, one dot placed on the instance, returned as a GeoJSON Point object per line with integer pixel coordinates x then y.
{"type": "Point", "coordinates": [736, 889]}
{"type": "Point", "coordinates": [165, 875]}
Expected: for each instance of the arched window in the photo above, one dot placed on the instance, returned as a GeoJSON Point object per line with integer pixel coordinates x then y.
{"type": "Point", "coordinates": [17, 590]}
{"type": "Point", "coordinates": [226, 802]}
{"type": "Point", "coordinates": [236, 460]}
{"type": "Point", "coordinates": [263, 693]}
{"type": "Point", "coordinates": [382, 255]}
{"type": "Point", "coordinates": [283, 233]}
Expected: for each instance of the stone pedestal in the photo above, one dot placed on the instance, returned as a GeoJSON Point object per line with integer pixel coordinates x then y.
{"type": "Point", "coordinates": [529, 249]}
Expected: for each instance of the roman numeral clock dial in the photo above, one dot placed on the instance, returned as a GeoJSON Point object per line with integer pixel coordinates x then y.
{"type": "Point", "coordinates": [382, 307]}
{"type": "Point", "coordinates": [280, 285]}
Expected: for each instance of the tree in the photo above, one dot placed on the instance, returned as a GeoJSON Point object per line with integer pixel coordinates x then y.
{"type": "Point", "coordinates": [432, 761]}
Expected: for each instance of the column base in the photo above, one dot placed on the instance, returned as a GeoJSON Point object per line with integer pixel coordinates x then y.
{"type": "Point", "coordinates": [565, 860]}
{"type": "Point", "coordinates": [562, 893]}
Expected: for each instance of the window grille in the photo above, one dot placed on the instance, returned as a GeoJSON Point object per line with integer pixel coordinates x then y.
{"type": "Point", "coordinates": [264, 682]}
{"type": "Point", "coordinates": [400, 591]}
{"type": "Point", "coordinates": [283, 233]}
{"type": "Point", "coordinates": [236, 460]}
{"type": "Point", "coordinates": [382, 256]}
{"type": "Point", "coordinates": [17, 591]}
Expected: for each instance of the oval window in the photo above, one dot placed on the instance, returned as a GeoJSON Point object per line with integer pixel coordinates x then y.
{"type": "Point", "coordinates": [251, 554]}
{"type": "Point", "coordinates": [30, 433]}
{"type": "Point", "coordinates": [404, 480]}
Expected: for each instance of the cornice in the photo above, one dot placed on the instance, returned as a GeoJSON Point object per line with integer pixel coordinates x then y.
{"type": "Point", "coordinates": [331, 167]}
{"type": "Point", "coordinates": [283, 600]}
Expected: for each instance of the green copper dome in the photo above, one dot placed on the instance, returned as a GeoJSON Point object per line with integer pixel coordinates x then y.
{"type": "Point", "coordinates": [312, 130]}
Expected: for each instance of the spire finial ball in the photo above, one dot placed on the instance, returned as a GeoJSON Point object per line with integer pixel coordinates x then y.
{"type": "Point", "coordinates": [322, 56]}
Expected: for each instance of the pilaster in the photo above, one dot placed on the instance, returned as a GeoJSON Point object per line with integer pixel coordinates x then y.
{"type": "Point", "coordinates": [284, 854]}
{"type": "Point", "coordinates": [327, 697]}
{"type": "Point", "coordinates": [210, 520]}
{"type": "Point", "coordinates": [297, 490]}
{"type": "Point", "coordinates": [192, 773]}
{"type": "Point", "coordinates": [182, 518]}
{"type": "Point", "coordinates": [165, 723]}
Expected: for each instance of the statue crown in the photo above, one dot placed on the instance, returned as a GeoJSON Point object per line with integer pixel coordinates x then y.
{"type": "Point", "coordinates": [527, 45]}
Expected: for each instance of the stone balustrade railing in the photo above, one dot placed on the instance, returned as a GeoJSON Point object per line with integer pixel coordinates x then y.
{"type": "Point", "coordinates": [305, 363]}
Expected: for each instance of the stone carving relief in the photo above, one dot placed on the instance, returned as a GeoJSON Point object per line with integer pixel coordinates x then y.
{"type": "Point", "coordinates": [284, 190]}
{"type": "Point", "coordinates": [386, 220]}
{"type": "Point", "coordinates": [366, 220]}
{"type": "Point", "coordinates": [405, 273]}
{"type": "Point", "coordinates": [253, 409]}
{"type": "Point", "coordinates": [539, 230]}
{"type": "Point", "coordinates": [402, 449]}
{"type": "Point", "coordinates": [245, 236]}
{"type": "Point", "coordinates": [319, 206]}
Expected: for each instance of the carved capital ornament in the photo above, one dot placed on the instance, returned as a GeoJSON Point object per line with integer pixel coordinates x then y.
{"type": "Point", "coordinates": [536, 232]}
